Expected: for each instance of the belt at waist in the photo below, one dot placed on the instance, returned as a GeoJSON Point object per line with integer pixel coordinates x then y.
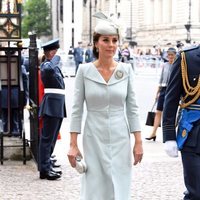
{"type": "Point", "coordinates": [54, 91]}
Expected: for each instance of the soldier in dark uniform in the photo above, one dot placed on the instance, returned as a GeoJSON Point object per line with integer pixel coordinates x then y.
{"type": "Point", "coordinates": [184, 89]}
{"type": "Point", "coordinates": [78, 55]}
{"type": "Point", "coordinates": [15, 127]}
{"type": "Point", "coordinates": [52, 108]}
{"type": "Point", "coordinates": [16, 115]}
{"type": "Point", "coordinates": [89, 54]}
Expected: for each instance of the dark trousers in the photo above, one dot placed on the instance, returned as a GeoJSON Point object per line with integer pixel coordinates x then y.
{"type": "Point", "coordinates": [15, 121]}
{"type": "Point", "coordinates": [77, 65]}
{"type": "Point", "coordinates": [191, 170]}
{"type": "Point", "coordinates": [48, 138]}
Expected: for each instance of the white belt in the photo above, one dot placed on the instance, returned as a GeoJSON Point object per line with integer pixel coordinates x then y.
{"type": "Point", "coordinates": [54, 90]}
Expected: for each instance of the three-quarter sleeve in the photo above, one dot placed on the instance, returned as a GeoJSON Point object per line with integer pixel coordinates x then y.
{"type": "Point", "coordinates": [78, 100]}
{"type": "Point", "coordinates": [131, 105]}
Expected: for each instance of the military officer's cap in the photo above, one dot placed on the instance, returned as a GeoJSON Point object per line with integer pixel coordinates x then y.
{"type": "Point", "coordinates": [106, 25]}
{"type": "Point", "coordinates": [51, 45]}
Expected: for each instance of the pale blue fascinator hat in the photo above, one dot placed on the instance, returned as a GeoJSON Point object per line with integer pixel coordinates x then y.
{"type": "Point", "coordinates": [106, 25]}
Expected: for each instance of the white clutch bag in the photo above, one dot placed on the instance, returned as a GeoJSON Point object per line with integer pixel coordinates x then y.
{"type": "Point", "coordinates": [80, 165]}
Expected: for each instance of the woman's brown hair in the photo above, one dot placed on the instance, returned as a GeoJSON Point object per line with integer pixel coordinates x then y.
{"type": "Point", "coordinates": [96, 37]}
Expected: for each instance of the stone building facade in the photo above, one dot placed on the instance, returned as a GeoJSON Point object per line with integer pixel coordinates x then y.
{"type": "Point", "coordinates": [67, 22]}
{"type": "Point", "coordinates": [163, 21]}
{"type": "Point", "coordinates": [145, 22]}
{"type": "Point", "coordinates": [151, 22]}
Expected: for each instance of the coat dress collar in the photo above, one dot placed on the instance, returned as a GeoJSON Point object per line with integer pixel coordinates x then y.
{"type": "Point", "coordinates": [120, 73]}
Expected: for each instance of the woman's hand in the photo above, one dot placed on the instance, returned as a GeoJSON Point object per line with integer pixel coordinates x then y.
{"type": "Point", "coordinates": [72, 154]}
{"type": "Point", "coordinates": [74, 150]}
{"type": "Point", "coordinates": [157, 96]}
{"type": "Point", "coordinates": [137, 152]}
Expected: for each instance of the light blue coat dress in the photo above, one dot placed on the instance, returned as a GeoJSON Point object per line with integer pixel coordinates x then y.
{"type": "Point", "coordinates": [112, 114]}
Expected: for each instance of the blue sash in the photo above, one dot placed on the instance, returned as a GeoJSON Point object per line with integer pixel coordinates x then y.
{"type": "Point", "coordinates": [188, 117]}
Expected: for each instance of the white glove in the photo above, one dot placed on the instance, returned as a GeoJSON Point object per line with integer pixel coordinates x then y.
{"type": "Point", "coordinates": [171, 148]}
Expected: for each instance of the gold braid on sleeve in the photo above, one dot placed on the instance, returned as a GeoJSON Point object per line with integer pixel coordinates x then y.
{"type": "Point", "coordinates": [189, 90]}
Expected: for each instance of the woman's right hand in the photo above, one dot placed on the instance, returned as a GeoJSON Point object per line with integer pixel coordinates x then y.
{"type": "Point", "coordinates": [72, 154]}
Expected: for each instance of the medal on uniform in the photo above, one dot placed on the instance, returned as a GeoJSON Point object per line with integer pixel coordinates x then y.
{"type": "Point", "coordinates": [119, 74]}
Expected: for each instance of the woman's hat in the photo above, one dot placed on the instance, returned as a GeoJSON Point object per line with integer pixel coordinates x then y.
{"type": "Point", "coordinates": [106, 26]}
{"type": "Point", "coordinates": [171, 50]}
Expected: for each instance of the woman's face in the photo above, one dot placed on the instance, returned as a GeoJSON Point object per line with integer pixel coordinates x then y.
{"type": "Point", "coordinates": [171, 56]}
{"type": "Point", "coordinates": [107, 45]}
{"type": "Point", "coordinates": [51, 54]}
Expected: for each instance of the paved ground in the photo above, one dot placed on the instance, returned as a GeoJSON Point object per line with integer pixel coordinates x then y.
{"type": "Point", "coordinates": [158, 177]}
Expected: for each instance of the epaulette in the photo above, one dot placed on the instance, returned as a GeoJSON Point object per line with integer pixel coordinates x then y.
{"type": "Point", "coordinates": [189, 48]}
{"type": "Point", "coordinates": [46, 65]}
{"type": "Point", "coordinates": [192, 92]}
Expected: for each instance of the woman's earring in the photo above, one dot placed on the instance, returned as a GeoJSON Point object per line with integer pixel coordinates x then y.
{"type": "Point", "coordinates": [97, 50]}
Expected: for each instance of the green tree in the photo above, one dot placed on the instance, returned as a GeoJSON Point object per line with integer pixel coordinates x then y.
{"type": "Point", "coordinates": [36, 18]}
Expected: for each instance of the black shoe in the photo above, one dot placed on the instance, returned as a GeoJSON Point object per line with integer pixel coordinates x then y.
{"type": "Point", "coordinates": [53, 156]}
{"type": "Point", "coordinates": [151, 138]}
{"type": "Point", "coordinates": [186, 195]}
{"type": "Point", "coordinates": [54, 165]}
{"type": "Point", "coordinates": [57, 171]}
{"type": "Point", "coordinates": [15, 134]}
{"type": "Point", "coordinates": [53, 160]}
{"type": "Point", "coordinates": [49, 175]}
{"type": "Point", "coordinates": [7, 134]}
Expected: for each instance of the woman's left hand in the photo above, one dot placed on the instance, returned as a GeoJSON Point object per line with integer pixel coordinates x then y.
{"type": "Point", "coordinates": [72, 154]}
{"type": "Point", "coordinates": [137, 153]}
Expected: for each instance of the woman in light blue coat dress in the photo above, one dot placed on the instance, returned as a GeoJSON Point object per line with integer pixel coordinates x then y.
{"type": "Point", "coordinates": [107, 89]}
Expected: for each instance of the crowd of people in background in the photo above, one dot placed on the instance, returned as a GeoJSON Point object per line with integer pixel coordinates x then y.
{"type": "Point", "coordinates": [126, 53]}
